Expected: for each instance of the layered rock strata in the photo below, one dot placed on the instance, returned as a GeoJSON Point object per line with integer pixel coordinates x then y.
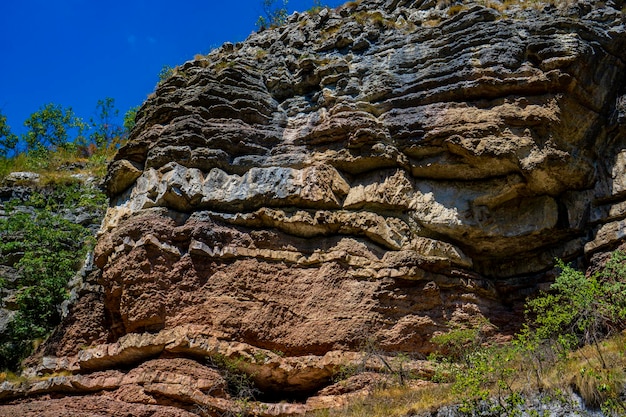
{"type": "Point", "coordinates": [361, 175]}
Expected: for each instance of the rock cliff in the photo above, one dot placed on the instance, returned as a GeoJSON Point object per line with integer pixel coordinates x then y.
{"type": "Point", "coordinates": [368, 174]}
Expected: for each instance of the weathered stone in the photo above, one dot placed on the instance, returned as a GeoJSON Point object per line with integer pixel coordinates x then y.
{"type": "Point", "coordinates": [121, 175]}
{"type": "Point", "coordinates": [90, 406]}
{"type": "Point", "coordinates": [14, 179]}
{"type": "Point", "coordinates": [373, 172]}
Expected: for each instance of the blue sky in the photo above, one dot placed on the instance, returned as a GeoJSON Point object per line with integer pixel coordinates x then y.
{"type": "Point", "coordinates": [75, 52]}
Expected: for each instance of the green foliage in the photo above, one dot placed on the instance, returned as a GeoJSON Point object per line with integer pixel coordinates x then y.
{"type": "Point", "coordinates": [165, 73]}
{"type": "Point", "coordinates": [105, 129]}
{"type": "Point", "coordinates": [8, 141]}
{"type": "Point", "coordinates": [317, 7]}
{"type": "Point", "coordinates": [49, 251]}
{"type": "Point", "coordinates": [459, 343]}
{"type": "Point", "coordinates": [49, 128]}
{"type": "Point", "coordinates": [56, 147]}
{"type": "Point", "coordinates": [564, 333]}
{"type": "Point", "coordinates": [130, 118]}
{"type": "Point", "coordinates": [274, 15]}
{"type": "Point", "coordinates": [613, 280]}
{"type": "Point", "coordinates": [240, 384]}
{"type": "Point", "coordinates": [578, 310]}
{"type": "Point", "coordinates": [45, 249]}
{"type": "Point", "coordinates": [70, 194]}
{"type": "Point", "coordinates": [481, 376]}
{"type": "Point", "coordinates": [487, 381]}
{"type": "Point", "coordinates": [55, 131]}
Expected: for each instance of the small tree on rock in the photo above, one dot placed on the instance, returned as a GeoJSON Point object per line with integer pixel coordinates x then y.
{"type": "Point", "coordinates": [105, 128]}
{"type": "Point", "coordinates": [8, 141]}
{"type": "Point", "coordinates": [129, 119]}
{"type": "Point", "coordinates": [274, 15]}
{"type": "Point", "coordinates": [49, 128]}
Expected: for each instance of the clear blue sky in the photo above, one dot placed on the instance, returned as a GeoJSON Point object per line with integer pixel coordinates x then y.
{"type": "Point", "coordinates": [75, 52]}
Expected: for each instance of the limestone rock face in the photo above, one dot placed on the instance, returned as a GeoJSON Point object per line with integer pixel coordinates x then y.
{"type": "Point", "coordinates": [373, 172]}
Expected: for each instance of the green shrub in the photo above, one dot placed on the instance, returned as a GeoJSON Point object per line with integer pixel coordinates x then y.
{"type": "Point", "coordinates": [563, 343]}
{"type": "Point", "coordinates": [8, 140]}
{"type": "Point", "coordinates": [459, 343]}
{"type": "Point", "coordinates": [50, 250]}
{"type": "Point", "coordinates": [240, 384]}
{"type": "Point", "coordinates": [129, 119]}
{"type": "Point", "coordinates": [166, 72]}
{"type": "Point", "coordinates": [49, 128]}
{"type": "Point", "coordinates": [580, 311]}
{"type": "Point", "coordinates": [105, 130]}
{"type": "Point", "coordinates": [274, 16]}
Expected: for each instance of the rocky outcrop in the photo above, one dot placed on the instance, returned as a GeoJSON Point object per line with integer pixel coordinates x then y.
{"type": "Point", "coordinates": [361, 175]}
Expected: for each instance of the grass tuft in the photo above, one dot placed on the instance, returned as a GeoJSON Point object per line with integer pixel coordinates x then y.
{"type": "Point", "coordinates": [456, 9]}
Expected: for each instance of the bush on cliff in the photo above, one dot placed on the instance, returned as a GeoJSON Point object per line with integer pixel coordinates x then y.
{"type": "Point", "coordinates": [51, 127]}
{"type": "Point", "coordinates": [573, 340]}
{"type": "Point", "coordinates": [563, 344]}
{"type": "Point", "coordinates": [41, 248]}
{"type": "Point", "coordinates": [8, 140]}
{"type": "Point", "coordinates": [570, 324]}
{"type": "Point", "coordinates": [46, 250]}
{"type": "Point", "coordinates": [56, 138]}
{"type": "Point", "coordinates": [274, 15]}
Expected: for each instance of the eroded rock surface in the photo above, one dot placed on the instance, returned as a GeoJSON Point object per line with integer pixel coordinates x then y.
{"type": "Point", "coordinates": [367, 173]}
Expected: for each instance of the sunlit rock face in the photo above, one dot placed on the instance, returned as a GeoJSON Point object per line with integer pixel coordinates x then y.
{"type": "Point", "coordinates": [373, 172]}
{"type": "Point", "coordinates": [359, 172]}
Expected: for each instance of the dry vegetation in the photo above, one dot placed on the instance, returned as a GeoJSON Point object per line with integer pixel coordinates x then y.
{"type": "Point", "coordinates": [59, 166]}
{"type": "Point", "coordinates": [575, 373]}
{"type": "Point", "coordinates": [503, 5]}
{"type": "Point", "coordinates": [574, 340]}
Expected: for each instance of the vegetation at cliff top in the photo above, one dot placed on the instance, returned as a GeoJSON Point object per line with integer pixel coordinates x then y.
{"type": "Point", "coordinates": [276, 15]}
{"type": "Point", "coordinates": [41, 248]}
{"type": "Point", "coordinates": [56, 139]}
